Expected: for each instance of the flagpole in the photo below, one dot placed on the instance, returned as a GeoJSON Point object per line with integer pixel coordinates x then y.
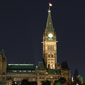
{"type": "Point", "coordinates": [50, 5]}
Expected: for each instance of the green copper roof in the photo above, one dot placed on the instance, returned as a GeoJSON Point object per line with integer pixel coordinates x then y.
{"type": "Point", "coordinates": [54, 71]}
{"type": "Point", "coordinates": [41, 65]}
{"type": "Point", "coordinates": [2, 52]}
{"type": "Point", "coordinates": [49, 25]}
{"type": "Point", "coordinates": [21, 66]}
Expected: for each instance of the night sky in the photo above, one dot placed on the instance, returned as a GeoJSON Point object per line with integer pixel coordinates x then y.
{"type": "Point", "coordinates": [22, 24]}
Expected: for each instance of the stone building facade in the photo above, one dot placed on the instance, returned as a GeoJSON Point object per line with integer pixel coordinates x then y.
{"type": "Point", "coordinates": [48, 69]}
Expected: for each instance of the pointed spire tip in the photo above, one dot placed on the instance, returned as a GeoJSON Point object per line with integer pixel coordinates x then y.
{"type": "Point", "coordinates": [50, 5]}
{"type": "Point", "coordinates": [49, 10]}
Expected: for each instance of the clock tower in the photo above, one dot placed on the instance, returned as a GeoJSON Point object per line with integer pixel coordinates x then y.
{"type": "Point", "coordinates": [49, 44]}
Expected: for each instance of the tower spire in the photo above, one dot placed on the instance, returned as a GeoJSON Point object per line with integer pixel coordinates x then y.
{"type": "Point", "coordinates": [49, 43]}
{"type": "Point", "coordinates": [49, 25]}
{"type": "Point", "coordinates": [50, 5]}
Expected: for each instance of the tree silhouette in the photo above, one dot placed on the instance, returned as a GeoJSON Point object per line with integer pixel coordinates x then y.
{"type": "Point", "coordinates": [62, 80]}
{"type": "Point", "coordinates": [25, 82]}
{"type": "Point", "coordinates": [64, 65]}
{"type": "Point", "coordinates": [75, 77]}
{"type": "Point", "coordinates": [57, 82]}
{"type": "Point", "coordinates": [13, 83]}
{"type": "Point", "coordinates": [46, 82]}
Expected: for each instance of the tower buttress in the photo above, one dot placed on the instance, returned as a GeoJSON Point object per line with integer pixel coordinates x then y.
{"type": "Point", "coordinates": [3, 66]}
{"type": "Point", "coordinates": [3, 63]}
{"type": "Point", "coordinates": [0, 64]}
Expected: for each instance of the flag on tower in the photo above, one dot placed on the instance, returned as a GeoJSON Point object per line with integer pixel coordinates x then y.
{"type": "Point", "coordinates": [50, 4]}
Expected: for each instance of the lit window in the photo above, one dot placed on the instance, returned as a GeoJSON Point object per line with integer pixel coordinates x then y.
{"type": "Point", "coordinates": [14, 71]}
{"type": "Point", "coordinates": [20, 71]}
{"type": "Point", "coordinates": [51, 77]}
{"type": "Point", "coordinates": [24, 70]}
{"type": "Point", "coordinates": [29, 70]}
{"type": "Point", "coordinates": [15, 82]}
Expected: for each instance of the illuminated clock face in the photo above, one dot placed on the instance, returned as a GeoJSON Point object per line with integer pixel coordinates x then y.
{"type": "Point", "coordinates": [50, 35]}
